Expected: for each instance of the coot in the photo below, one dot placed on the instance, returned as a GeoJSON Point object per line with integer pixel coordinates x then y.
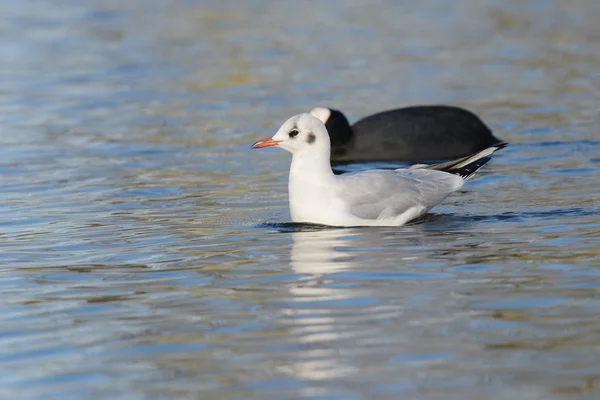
{"type": "Point", "coordinates": [417, 133]}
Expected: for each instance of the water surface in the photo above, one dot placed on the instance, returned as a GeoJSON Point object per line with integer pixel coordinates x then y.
{"type": "Point", "coordinates": [147, 252]}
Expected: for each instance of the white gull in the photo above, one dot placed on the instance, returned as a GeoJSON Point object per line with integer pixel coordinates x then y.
{"type": "Point", "coordinates": [369, 198]}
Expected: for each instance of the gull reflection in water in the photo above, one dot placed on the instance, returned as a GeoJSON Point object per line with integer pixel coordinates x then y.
{"type": "Point", "coordinates": [318, 302]}
{"type": "Point", "coordinates": [321, 252]}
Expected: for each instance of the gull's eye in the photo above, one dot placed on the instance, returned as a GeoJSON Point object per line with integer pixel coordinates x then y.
{"type": "Point", "coordinates": [294, 133]}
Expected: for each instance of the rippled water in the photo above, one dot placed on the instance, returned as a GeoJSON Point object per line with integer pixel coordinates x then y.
{"type": "Point", "coordinates": [146, 252]}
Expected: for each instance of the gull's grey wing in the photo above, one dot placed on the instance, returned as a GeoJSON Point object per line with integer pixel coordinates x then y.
{"type": "Point", "coordinates": [383, 193]}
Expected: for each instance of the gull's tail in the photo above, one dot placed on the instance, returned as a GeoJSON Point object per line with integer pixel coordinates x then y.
{"type": "Point", "coordinates": [467, 166]}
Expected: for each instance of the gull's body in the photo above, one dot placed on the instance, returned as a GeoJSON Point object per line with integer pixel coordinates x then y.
{"type": "Point", "coordinates": [369, 198]}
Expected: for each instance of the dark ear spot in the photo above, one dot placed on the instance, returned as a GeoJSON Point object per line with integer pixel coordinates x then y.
{"type": "Point", "coordinates": [311, 138]}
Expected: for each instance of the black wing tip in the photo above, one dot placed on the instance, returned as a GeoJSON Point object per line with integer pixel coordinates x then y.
{"type": "Point", "coordinates": [468, 171]}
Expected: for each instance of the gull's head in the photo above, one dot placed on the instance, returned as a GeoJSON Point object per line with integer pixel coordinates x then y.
{"type": "Point", "coordinates": [301, 134]}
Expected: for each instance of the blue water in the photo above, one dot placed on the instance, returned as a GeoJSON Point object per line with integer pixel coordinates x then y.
{"type": "Point", "coordinates": [147, 252]}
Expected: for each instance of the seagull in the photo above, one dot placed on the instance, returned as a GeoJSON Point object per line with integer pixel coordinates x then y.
{"type": "Point", "coordinates": [368, 198]}
{"type": "Point", "coordinates": [416, 133]}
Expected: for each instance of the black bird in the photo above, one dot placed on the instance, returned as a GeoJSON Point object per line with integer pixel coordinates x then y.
{"type": "Point", "coordinates": [417, 133]}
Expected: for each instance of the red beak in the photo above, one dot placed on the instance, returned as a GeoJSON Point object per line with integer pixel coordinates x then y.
{"type": "Point", "coordinates": [266, 142]}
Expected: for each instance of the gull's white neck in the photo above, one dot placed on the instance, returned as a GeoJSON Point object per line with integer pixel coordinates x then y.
{"type": "Point", "coordinates": [315, 165]}
{"type": "Point", "coordinates": [310, 186]}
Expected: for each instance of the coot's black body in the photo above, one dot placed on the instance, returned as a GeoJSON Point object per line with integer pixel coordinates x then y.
{"type": "Point", "coordinates": [417, 133]}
